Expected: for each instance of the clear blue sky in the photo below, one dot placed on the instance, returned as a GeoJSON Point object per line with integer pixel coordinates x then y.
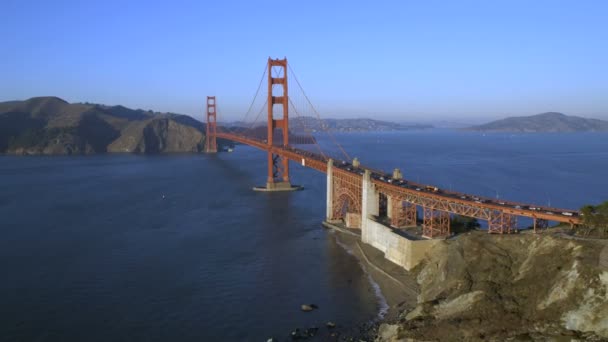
{"type": "Point", "coordinates": [398, 60]}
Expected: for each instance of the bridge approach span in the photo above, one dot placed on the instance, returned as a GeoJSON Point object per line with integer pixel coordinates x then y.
{"type": "Point", "coordinates": [448, 201]}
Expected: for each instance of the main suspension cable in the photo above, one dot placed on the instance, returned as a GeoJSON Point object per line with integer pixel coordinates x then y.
{"type": "Point", "coordinates": [317, 114]}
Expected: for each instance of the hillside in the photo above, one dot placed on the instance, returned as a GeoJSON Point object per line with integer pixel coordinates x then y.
{"type": "Point", "coordinates": [50, 125]}
{"type": "Point", "coordinates": [526, 287]}
{"type": "Point", "coordinates": [310, 124]}
{"type": "Point", "coordinates": [349, 125]}
{"type": "Point", "coordinates": [546, 122]}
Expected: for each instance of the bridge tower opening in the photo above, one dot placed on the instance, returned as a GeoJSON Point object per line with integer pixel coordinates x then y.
{"type": "Point", "coordinates": [278, 98]}
{"type": "Point", "coordinates": [210, 138]}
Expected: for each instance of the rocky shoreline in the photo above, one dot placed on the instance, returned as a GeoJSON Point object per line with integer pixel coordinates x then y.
{"type": "Point", "coordinates": [478, 287]}
{"type": "Point", "coordinates": [389, 282]}
{"type": "Point", "coordinates": [397, 288]}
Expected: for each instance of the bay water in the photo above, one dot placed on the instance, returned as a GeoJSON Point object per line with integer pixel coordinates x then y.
{"type": "Point", "coordinates": [178, 247]}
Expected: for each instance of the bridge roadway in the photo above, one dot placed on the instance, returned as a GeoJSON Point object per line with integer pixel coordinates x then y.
{"type": "Point", "coordinates": [419, 194]}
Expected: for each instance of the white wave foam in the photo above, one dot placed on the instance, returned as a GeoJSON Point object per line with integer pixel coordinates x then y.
{"type": "Point", "coordinates": [382, 303]}
{"type": "Point", "coordinates": [345, 247]}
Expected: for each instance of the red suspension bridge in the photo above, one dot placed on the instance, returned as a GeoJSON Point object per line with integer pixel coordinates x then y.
{"type": "Point", "coordinates": [354, 191]}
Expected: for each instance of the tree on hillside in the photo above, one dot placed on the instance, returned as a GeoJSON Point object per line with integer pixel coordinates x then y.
{"type": "Point", "coordinates": [595, 218]}
{"type": "Point", "coordinates": [462, 224]}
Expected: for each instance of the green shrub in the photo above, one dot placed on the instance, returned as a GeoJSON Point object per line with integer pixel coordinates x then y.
{"type": "Point", "coordinates": [595, 220]}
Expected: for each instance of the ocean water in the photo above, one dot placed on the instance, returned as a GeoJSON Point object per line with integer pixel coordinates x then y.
{"type": "Point", "coordinates": [565, 170]}
{"type": "Point", "coordinates": [167, 248]}
{"type": "Point", "coordinates": [128, 247]}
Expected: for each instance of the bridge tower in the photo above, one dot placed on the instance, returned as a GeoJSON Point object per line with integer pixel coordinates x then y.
{"type": "Point", "coordinates": [278, 96]}
{"type": "Point", "coordinates": [210, 138]}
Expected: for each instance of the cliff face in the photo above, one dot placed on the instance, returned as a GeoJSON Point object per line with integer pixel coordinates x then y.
{"type": "Point", "coordinates": [49, 125]}
{"type": "Point", "coordinates": [526, 287]}
{"type": "Point", "coordinates": [159, 135]}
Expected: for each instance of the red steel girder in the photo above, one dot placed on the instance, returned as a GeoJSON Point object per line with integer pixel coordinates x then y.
{"type": "Point", "coordinates": [346, 194]}
{"type": "Point", "coordinates": [303, 157]}
{"type": "Point", "coordinates": [480, 210]}
{"type": "Point", "coordinates": [404, 214]}
{"type": "Point", "coordinates": [436, 223]}
{"type": "Point", "coordinates": [501, 223]}
{"type": "Point", "coordinates": [344, 202]}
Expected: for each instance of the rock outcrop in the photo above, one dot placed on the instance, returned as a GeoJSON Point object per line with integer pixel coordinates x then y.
{"type": "Point", "coordinates": [158, 135]}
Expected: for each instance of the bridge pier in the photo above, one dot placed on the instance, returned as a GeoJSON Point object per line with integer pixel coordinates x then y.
{"type": "Point", "coordinates": [370, 206]}
{"type": "Point", "coordinates": [278, 179]}
{"type": "Point", "coordinates": [390, 203]}
{"type": "Point", "coordinates": [370, 201]}
{"type": "Point", "coordinates": [329, 202]}
{"type": "Point", "coordinates": [278, 186]}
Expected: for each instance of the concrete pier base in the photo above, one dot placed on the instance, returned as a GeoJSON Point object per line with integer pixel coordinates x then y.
{"type": "Point", "coordinates": [278, 186]}
{"type": "Point", "coordinates": [396, 248]}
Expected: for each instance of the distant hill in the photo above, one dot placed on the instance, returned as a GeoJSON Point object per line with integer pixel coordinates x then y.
{"type": "Point", "coordinates": [50, 125]}
{"type": "Point", "coordinates": [546, 122]}
{"type": "Point", "coordinates": [349, 125]}
{"type": "Point", "coordinates": [311, 124]}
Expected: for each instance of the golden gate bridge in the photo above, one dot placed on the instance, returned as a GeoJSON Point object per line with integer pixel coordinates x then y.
{"type": "Point", "coordinates": [354, 191]}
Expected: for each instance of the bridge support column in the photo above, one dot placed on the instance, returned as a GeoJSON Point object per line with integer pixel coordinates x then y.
{"type": "Point", "coordinates": [211, 131]}
{"type": "Point", "coordinates": [501, 223]}
{"type": "Point", "coordinates": [371, 197]}
{"type": "Point", "coordinates": [540, 224]}
{"type": "Point", "coordinates": [329, 204]}
{"type": "Point", "coordinates": [403, 213]}
{"type": "Point", "coordinates": [370, 205]}
{"type": "Point", "coordinates": [436, 223]}
{"type": "Point", "coordinates": [411, 214]}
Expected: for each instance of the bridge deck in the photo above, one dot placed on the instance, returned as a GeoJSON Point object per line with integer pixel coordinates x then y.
{"type": "Point", "coordinates": [420, 194]}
